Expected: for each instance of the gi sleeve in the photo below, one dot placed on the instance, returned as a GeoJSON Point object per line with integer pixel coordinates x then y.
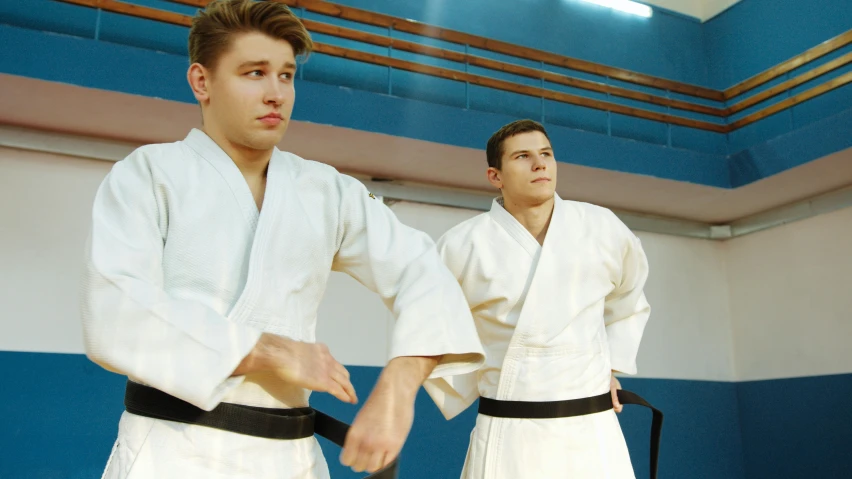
{"type": "Point", "coordinates": [402, 266]}
{"type": "Point", "coordinates": [453, 394]}
{"type": "Point", "coordinates": [130, 324]}
{"type": "Point", "coordinates": [626, 309]}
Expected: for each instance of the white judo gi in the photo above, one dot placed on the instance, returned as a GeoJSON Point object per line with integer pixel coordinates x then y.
{"type": "Point", "coordinates": [555, 319]}
{"type": "Point", "coordinates": [184, 274]}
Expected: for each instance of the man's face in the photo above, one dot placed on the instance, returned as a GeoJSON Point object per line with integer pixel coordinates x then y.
{"type": "Point", "coordinates": [528, 172]}
{"type": "Point", "coordinates": [250, 93]}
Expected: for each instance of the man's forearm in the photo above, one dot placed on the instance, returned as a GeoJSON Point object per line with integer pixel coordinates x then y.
{"type": "Point", "coordinates": [269, 351]}
{"type": "Point", "coordinates": [305, 365]}
{"type": "Point", "coordinates": [404, 375]}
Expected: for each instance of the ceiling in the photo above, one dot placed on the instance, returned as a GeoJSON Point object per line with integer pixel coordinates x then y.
{"type": "Point", "coordinates": [701, 9]}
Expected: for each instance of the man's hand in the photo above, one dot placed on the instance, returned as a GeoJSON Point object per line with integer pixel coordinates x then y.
{"type": "Point", "coordinates": [382, 426]}
{"type": "Point", "coordinates": [306, 365]}
{"type": "Point", "coordinates": [614, 386]}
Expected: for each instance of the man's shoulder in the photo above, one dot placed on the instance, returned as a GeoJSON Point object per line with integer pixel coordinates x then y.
{"type": "Point", "coordinates": [466, 231]}
{"type": "Point", "coordinates": [315, 170]}
{"type": "Point", "coordinates": [308, 166]}
{"type": "Point", "coordinates": [592, 212]}
{"type": "Point", "coordinates": [600, 218]}
{"type": "Point", "coordinates": [588, 209]}
{"type": "Point", "coordinates": [148, 157]}
{"type": "Point", "coordinates": [335, 185]}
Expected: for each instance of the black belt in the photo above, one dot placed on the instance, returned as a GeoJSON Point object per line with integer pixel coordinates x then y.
{"type": "Point", "coordinates": [575, 407]}
{"type": "Point", "coordinates": [268, 423]}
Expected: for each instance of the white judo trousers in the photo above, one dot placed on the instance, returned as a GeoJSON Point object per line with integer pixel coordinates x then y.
{"type": "Point", "coordinates": [184, 273]}
{"type": "Point", "coordinates": [554, 319]}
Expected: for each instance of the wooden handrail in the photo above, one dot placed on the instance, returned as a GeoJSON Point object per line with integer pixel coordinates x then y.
{"type": "Point", "coordinates": [515, 88]}
{"type": "Point", "coordinates": [453, 36]}
{"type": "Point", "coordinates": [185, 20]}
{"type": "Point", "coordinates": [377, 19]}
{"type": "Point", "coordinates": [808, 56]}
{"type": "Point", "coordinates": [412, 47]}
{"type": "Point", "coordinates": [192, 3]}
{"type": "Point", "coordinates": [417, 28]}
{"type": "Point", "coordinates": [792, 101]}
{"type": "Point", "coordinates": [791, 83]}
{"type": "Point", "coordinates": [135, 11]}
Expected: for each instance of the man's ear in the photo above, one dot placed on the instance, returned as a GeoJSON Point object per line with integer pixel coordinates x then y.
{"type": "Point", "coordinates": [495, 177]}
{"type": "Point", "coordinates": [199, 81]}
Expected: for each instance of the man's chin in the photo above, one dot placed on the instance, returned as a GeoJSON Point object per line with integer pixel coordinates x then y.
{"type": "Point", "coordinates": [543, 193]}
{"type": "Point", "coordinates": [534, 198]}
{"type": "Point", "coordinates": [268, 139]}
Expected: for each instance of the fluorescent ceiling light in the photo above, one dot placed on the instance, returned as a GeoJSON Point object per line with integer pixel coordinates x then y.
{"type": "Point", "coordinates": [624, 6]}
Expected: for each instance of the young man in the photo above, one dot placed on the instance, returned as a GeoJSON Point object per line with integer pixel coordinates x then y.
{"type": "Point", "coordinates": [207, 261]}
{"type": "Point", "coordinates": [555, 288]}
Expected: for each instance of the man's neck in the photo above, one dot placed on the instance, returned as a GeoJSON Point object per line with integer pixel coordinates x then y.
{"type": "Point", "coordinates": [252, 163]}
{"type": "Point", "coordinates": [534, 217]}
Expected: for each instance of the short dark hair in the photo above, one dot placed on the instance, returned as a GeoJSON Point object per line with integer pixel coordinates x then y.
{"type": "Point", "coordinates": [494, 149]}
{"type": "Point", "coordinates": [213, 28]}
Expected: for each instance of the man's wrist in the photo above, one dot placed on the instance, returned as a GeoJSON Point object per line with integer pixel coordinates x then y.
{"type": "Point", "coordinates": [269, 352]}
{"type": "Point", "coordinates": [404, 375]}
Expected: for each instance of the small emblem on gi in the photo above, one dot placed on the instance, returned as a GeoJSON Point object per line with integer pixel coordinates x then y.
{"type": "Point", "coordinates": [372, 196]}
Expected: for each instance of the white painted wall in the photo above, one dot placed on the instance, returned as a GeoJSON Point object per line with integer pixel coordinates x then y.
{"type": "Point", "coordinates": [689, 333]}
{"type": "Point", "coordinates": [791, 298]}
{"type": "Point", "coordinates": [45, 205]}
{"type": "Point", "coordinates": [45, 208]}
{"type": "Point", "coordinates": [757, 299]}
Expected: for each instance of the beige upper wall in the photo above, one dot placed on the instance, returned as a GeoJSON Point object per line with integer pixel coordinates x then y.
{"type": "Point", "coordinates": [33, 109]}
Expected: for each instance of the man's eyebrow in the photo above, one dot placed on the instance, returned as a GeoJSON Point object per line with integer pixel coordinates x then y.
{"type": "Point", "coordinates": [263, 63]}
{"type": "Point", "coordinates": [254, 63]}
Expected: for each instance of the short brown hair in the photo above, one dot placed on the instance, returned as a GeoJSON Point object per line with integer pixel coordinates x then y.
{"type": "Point", "coordinates": [494, 149]}
{"type": "Point", "coordinates": [213, 28]}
